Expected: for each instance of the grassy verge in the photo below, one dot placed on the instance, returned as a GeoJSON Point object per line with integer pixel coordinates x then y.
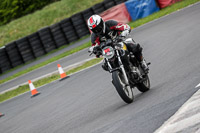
{"type": "Point", "coordinates": [49, 15]}
{"type": "Point", "coordinates": [46, 80]}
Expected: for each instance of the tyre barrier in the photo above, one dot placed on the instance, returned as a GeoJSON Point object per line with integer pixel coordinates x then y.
{"type": "Point", "coordinates": [68, 29]}
{"type": "Point", "coordinates": [87, 13]}
{"type": "Point", "coordinates": [25, 50]}
{"type": "Point", "coordinates": [13, 54]}
{"type": "Point", "coordinates": [4, 60]}
{"type": "Point", "coordinates": [108, 4]}
{"type": "Point", "coordinates": [98, 8]}
{"type": "Point", "coordinates": [80, 25]}
{"type": "Point", "coordinates": [119, 1]}
{"type": "Point", "coordinates": [58, 35]}
{"type": "Point", "coordinates": [36, 45]}
{"type": "Point", "coordinates": [49, 38]}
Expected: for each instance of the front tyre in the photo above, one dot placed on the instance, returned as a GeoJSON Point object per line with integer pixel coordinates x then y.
{"type": "Point", "coordinates": [124, 91]}
{"type": "Point", "coordinates": [145, 85]}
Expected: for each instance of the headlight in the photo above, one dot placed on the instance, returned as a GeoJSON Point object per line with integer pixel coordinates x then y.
{"type": "Point", "coordinates": [108, 52]}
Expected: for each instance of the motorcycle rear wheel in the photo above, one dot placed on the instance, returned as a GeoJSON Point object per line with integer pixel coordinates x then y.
{"type": "Point", "coordinates": [124, 91]}
{"type": "Point", "coordinates": [144, 86]}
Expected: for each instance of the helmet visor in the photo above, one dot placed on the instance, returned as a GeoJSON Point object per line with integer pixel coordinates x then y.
{"type": "Point", "coordinates": [99, 28]}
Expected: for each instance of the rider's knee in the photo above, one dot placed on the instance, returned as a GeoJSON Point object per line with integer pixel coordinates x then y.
{"type": "Point", "coordinates": [133, 46]}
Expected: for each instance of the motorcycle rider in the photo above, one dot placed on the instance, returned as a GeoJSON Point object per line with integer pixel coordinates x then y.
{"type": "Point", "coordinates": [101, 31]}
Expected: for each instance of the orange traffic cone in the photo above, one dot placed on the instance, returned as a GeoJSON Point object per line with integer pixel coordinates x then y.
{"type": "Point", "coordinates": [34, 92]}
{"type": "Point", "coordinates": [62, 73]}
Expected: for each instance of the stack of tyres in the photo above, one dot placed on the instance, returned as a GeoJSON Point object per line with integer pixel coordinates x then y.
{"type": "Point", "coordinates": [58, 35]}
{"type": "Point", "coordinates": [47, 39]}
{"type": "Point", "coordinates": [36, 45]}
{"type": "Point", "coordinates": [87, 13]}
{"type": "Point", "coordinates": [4, 60]}
{"type": "Point", "coordinates": [80, 25]}
{"type": "Point", "coordinates": [69, 30]}
{"type": "Point", "coordinates": [25, 49]}
{"type": "Point", "coordinates": [13, 54]}
{"type": "Point", "coordinates": [119, 1]}
{"type": "Point", "coordinates": [109, 3]}
{"type": "Point", "coordinates": [98, 8]}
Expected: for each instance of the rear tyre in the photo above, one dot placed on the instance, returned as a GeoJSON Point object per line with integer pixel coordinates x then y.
{"type": "Point", "coordinates": [145, 85]}
{"type": "Point", "coordinates": [124, 91]}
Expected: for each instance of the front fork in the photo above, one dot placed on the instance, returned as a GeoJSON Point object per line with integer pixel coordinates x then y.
{"type": "Point", "coordinates": [122, 68]}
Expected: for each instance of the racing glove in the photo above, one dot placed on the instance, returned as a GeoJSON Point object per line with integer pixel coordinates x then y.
{"type": "Point", "coordinates": [96, 50]}
{"type": "Point", "coordinates": [125, 33]}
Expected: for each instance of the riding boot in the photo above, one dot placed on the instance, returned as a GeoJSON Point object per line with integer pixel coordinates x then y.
{"type": "Point", "coordinates": [144, 66]}
{"type": "Point", "coordinates": [142, 61]}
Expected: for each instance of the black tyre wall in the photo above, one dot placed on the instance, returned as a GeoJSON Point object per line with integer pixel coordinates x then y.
{"type": "Point", "coordinates": [87, 13]}
{"type": "Point", "coordinates": [80, 25]}
{"type": "Point", "coordinates": [119, 1]}
{"type": "Point", "coordinates": [4, 60]}
{"type": "Point", "coordinates": [58, 35]}
{"type": "Point", "coordinates": [98, 8]}
{"type": "Point", "coordinates": [108, 4]}
{"type": "Point", "coordinates": [68, 29]}
{"type": "Point", "coordinates": [25, 49]}
{"type": "Point", "coordinates": [13, 54]}
{"type": "Point", "coordinates": [36, 45]}
{"type": "Point", "coordinates": [47, 39]}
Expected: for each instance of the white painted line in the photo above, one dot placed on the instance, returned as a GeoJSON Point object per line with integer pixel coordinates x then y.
{"type": "Point", "coordinates": [174, 126]}
{"type": "Point", "coordinates": [198, 131]}
{"type": "Point", "coordinates": [181, 125]}
{"type": "Point", "coordinates": [198, 85]}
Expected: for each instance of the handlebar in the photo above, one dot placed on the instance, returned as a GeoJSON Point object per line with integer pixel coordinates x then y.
{"type": "Point", "coordinates": [108, 42]}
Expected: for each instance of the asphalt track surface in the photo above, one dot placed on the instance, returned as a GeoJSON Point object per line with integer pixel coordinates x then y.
{"type": "Point", "coordinates": [88, 103]}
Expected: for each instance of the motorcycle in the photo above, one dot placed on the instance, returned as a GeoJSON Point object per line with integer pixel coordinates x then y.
{"type": "Point", "coordinates": [125, 69]}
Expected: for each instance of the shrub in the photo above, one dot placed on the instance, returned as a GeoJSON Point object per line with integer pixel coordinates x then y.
{"type": "Point", "coordinates": [12, 9]}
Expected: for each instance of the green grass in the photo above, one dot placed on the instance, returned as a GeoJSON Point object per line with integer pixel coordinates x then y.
{"type": "Point", "coordinates": [49, 15]}
{"type": "Point", "coordinates": [46, 80]}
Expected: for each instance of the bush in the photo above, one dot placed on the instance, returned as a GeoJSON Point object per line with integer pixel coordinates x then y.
{"type": "Point", "coordinates": [12, 9]}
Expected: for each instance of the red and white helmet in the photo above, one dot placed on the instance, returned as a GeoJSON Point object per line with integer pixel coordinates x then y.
{"type": "Point", "coordinates": [96, 24]}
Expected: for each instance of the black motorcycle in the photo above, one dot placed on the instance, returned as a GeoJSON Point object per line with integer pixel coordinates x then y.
{"type": "Point", "coordinates": [125, 69]}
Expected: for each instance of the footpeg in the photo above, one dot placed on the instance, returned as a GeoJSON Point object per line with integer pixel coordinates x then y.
{"type": "Point", "coordinates": [149, 63]}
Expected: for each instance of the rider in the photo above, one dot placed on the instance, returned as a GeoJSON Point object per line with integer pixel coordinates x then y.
{"type": "Point", "coordinates": [110, 30]}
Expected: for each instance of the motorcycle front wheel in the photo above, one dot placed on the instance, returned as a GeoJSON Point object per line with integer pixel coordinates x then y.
{"type": "Point", "coordinates": [124, 91]}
